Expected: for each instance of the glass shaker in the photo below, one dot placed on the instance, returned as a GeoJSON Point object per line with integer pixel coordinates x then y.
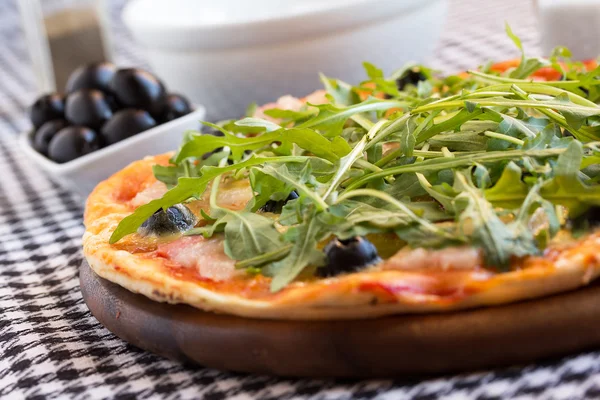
{"type": "Point", "coordinates": [62, 35]}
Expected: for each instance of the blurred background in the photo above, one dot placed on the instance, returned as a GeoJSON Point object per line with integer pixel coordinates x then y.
{"type": "Point", "coordinates": [471, 33]}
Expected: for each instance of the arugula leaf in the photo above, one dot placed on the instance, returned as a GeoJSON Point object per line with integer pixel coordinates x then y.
{"type": "Point", "coordinates": [289, 115]}
{"type": "Point", "coordinates": [443, 193]}
{"type": "Point", "coordinates": [332, 118]}
{"type": "Point", "coordinates": [511, 124]}
{"type": "Point", "coordinates": [566, 188]}
{"type": "Point", "coordinates": [509, 191]}
{"type": "Point", "coordinates": [437, 164]}
{"type": "Point", "coordinates": [201, 144]}
{"type": "Point", "coordinates": [253, 122]}
{"type": "Point", "coordinates": [372, 71]}
{"type": "Point", "coordinates": [527, 66]}
{"type": "Point", "coordinates": [406, 185]}
{"type": "Point", "coordinates": [304, 252]}
{"type": "Point", "coordinates": [499, 241]}
{"type": "Point", "coordinates": [486, 159]}
{"type": "Point", "coordinates": [341, 92]}
{"type": "Point", "coordinates": [267, 187]}
{"type": "Point", "coordinates": [249, 235]}
{"type": "Point", "coordinates": [459, 141]}
{"type": "Point", "coordinates": [283, 174]}
{"type": "Point", "coordinates": [317, 144]}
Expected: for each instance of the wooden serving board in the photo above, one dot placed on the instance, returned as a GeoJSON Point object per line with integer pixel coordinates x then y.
{"type": "Point", "coordinates": [398, 346]}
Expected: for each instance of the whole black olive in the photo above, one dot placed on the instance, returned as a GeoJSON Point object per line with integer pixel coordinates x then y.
{"type": "Point", "coordinates": [273, 206]}
{"type": "Point", "coordinates": [175, 219]}
{"type": "Point", "coordinates": [45, 133]}
{"type": "Point", "coordinates": [72, 142]}
{"type": "Point", "coordinates": [175, 106]}
{"type": "Point", "coordinates": [136, 88]}
{"type": "Point", "coordinates": [126, 123]}
{"type": "Point", "coordinates": [588, 220]}
{"type": "Point", "coordinates": [47, 108]}
{"type": "Point", "coordinates": [410, 77]}
{"type": "Point", "coordinates": [88, 107]}
{"type": "Point", "coordinates": [93, 76]}
{"type": "Point", "coordinates": [348, 255]}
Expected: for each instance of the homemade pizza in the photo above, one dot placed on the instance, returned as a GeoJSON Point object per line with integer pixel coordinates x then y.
{"type": "Point", "coordinates": [407, 193]}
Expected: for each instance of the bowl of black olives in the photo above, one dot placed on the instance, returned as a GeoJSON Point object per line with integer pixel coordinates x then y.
{"type": "Point", "coordinates": [106, 118]}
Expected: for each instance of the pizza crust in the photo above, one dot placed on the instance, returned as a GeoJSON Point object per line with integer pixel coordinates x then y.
{"type": "Point", "coordinates": [366, 294]}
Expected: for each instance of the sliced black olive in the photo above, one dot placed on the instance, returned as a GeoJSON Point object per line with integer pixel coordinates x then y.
{"type": "Point", "coordinates": [88, 107]}
{"type": "Point", "coordinates": [348, 255]}
{"type": "Point", "coordinates": [588, 220]}
{"type": "Point", "coordinates": [273, 206]}
{"type": "Point", "coordinates": [136, 88]}
{"type": "Point", "coordinates": [410, 77]}
{"type": "Point", "coordinates": [47, 108]}
{"type": "Point", "coordinates": [45, 133]}
{"type": "Point", "coordinates": [175, 219]}
{"type": "Point", "coordinates": [126, 123]}
{"type": "Point", "coordinates": [93, 76]}
{"type": "Point", "coordinates": [72, 142]}
{"type": "Point", "coordinates": [175, 106]}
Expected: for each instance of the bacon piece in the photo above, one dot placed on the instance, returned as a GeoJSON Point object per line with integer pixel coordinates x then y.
{"type": "Point", "coordinates": [205, 255]}
{"type": "Point", "coordinates": [154, 191]}
{"type": "Point", "coordinates": [443, 259]}
{"type": "Point", "coordinates": [291, 103]}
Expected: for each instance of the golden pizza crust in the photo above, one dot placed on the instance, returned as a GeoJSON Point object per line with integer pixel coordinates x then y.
{"type": "Point", "coordinates": [135, 265]}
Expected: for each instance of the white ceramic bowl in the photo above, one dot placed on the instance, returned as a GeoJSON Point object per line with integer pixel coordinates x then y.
{"type": "Point", "coordinates": [84, 173]}
{"type": "Point", "coordinates": [228, 53]}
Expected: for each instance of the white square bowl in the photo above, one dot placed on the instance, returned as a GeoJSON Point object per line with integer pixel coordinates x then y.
{"type": "Point", "coordinates": [84, 173]}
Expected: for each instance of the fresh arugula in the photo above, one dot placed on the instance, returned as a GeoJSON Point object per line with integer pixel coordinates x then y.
{"type": "Point", "coordinates": [488, 159]}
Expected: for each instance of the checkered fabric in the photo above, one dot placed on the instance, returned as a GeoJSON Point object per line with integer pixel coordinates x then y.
{"type": "Point", "coordinates": [50, 345]}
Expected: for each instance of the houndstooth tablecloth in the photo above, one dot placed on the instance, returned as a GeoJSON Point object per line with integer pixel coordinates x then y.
{"type": "Point", "coordinates": [50, 345]}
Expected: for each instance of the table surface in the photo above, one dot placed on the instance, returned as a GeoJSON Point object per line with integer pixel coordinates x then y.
{"type": "Point", "coordinates": [50, 345]}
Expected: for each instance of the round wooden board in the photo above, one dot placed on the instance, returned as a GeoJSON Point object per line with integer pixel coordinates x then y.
{"type": "Point", "coordinates": [398, 346]}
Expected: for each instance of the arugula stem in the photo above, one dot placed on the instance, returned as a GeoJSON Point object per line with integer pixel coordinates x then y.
{"type": "Point", "coordinates": [388, 130]}
{"type": "Point", "coordinates": [265, 258]}
{"type": "Point", "coordinates": [542, 88]}
{"type": "Point", "coordinates": [430, 227]}
{"type": "Point", "coordinates": [495, 78]}
{"type": "Point", "coordinates": [447, 153]}
{"type": "Point", "coordinates": [437, 164]}
{"type": "Point", "coordinates": [510, 103]}
{"type": "Point", "coordinates": [559, 119]}
{"type": "Point", "coordinates": [362, 163]}
{"type": "Point", "coordinates": [345, 164]}
{"type": "Point", "coordinates": [392, 155]}
{"type": "Point", "coordinates": [214, 190]}
{"type": "Point", "coordinates": [504, 137]}
{"type": "Point", "coordinates": [353, 110]}
{"type": "Point", "coordinates": [457, 120]}
{"type": "Point", "coordinates": [363, 121]}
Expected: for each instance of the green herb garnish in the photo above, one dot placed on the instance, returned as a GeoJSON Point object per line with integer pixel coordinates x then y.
{"type": "Point", "coordinates": [481, 153]}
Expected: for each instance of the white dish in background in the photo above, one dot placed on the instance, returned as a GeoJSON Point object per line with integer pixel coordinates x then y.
{"type": "Point", "coordinates": [229, 53]}
{"type": "Point", "coordinates": [84, 173]}
{"type": "Point", "coordinates": [571, 23]}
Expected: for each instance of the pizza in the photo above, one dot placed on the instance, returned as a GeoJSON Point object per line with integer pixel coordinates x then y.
{"type": "Point", "coordinates": [410, 193]}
